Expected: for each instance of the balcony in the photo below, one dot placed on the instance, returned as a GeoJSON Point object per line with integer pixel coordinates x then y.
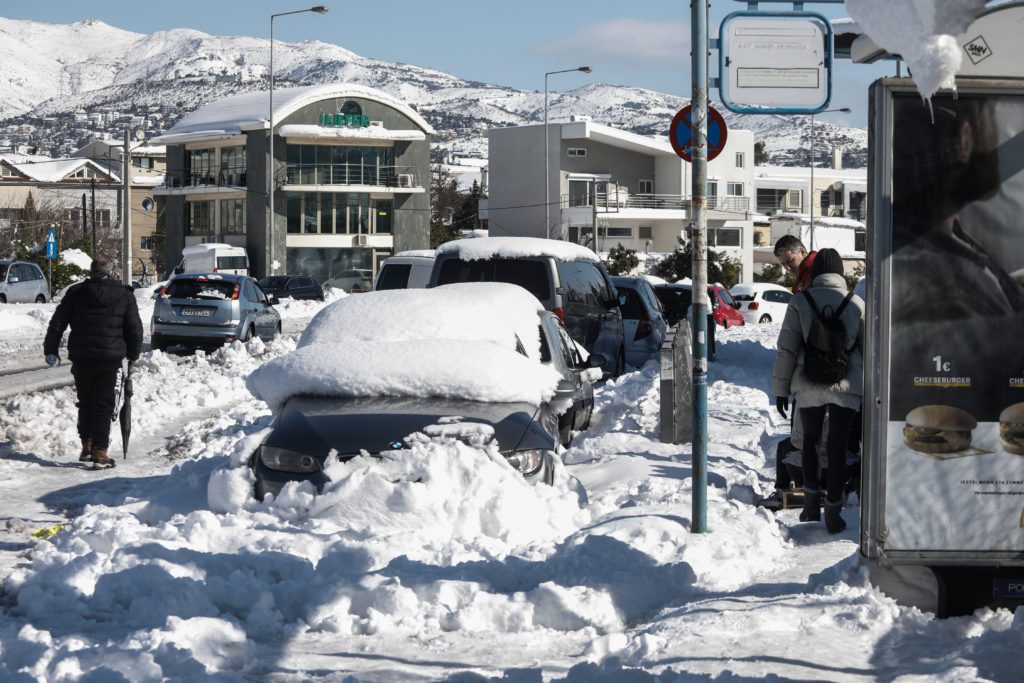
{"type": "Point", "coordinates": [397, 177]}
{"type": "Point", "coordinates": [614, 202]}
{"type": "Point", "coordinates": [226, 177]}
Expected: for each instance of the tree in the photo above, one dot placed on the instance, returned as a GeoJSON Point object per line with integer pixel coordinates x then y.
{"type": "Point", "coordinates": [760, 153]}
{"type": "Point", "coordinates": [444, 199]}
{"type": "Point", "coordinates": [466, 215]}
{"type": "Point", "coordinates": [679, 264]}
{"type": "Point", "coordinates": [622, 261]}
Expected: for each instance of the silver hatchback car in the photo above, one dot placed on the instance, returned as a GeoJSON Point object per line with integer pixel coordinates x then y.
{"type": "Point", "coordinates": [22, 282]}
{"type": "Point", "coordinates": [210, 309]}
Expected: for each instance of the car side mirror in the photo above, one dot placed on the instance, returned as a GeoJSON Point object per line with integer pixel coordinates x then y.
{"type": "Point", "coordinates": [596, 360]}
{"type": "Point", "coordinates": [273, 300]}
{"type": "Point", "coordinates": [566, 389]}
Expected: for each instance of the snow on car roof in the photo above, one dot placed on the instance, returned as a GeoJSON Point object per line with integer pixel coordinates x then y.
{"type": "Point", "coordinates": [756, 287]}
{"type": "Point", "coordinates": [513, 247]}
{"type": "Point", "coordinates": [455, 341]}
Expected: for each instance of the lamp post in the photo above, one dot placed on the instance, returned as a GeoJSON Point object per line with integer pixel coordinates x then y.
{"type": "Point", "coordinates": [319, 9]}
{"type": "Point", "coordinates": [845, 110]}
{"type": "Point", "coordinates": [547, 162]}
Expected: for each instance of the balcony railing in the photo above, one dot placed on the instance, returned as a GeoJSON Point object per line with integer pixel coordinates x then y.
{"type": "Point", "coordinates": [609, 203]}
{"type": "Point", "coordinates": [352, 174]}
{"type": "Point", "coordinates": [225, 177]}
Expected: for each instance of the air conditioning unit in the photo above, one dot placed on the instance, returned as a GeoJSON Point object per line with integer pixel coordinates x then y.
{"type": "Point", "coordinates": [362, 240]}
{"type": "Point", "coordinates": [405, 179]}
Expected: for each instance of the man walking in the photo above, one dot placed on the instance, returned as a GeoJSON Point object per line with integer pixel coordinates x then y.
{"type": "Point", "coordinates": [105, 329]}
{"type": "Point", "coordinates": [794, 257]}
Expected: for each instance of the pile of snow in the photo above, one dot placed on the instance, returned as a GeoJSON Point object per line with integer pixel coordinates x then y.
{"type": "Point", "coordinates": [515, 247]}
{"type": "Point", "coordinates": [76, 257]}
{"type": "Point", "coordinates": [922, 32]}
{"type": "Point", "coordinates": [456, 341]}
{"type": "Point", "coordinates": [24, 319]}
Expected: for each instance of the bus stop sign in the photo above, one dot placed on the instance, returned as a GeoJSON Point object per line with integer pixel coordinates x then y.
{"type": "Point", "coordinates": [681, 137]}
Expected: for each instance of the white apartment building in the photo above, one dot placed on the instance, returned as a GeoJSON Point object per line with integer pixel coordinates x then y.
{"type": "Point", "coordinates": [634, 189]}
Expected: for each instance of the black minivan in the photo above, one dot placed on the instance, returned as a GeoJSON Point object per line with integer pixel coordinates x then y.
{"type": "Point", "coordinates": [568, 279]}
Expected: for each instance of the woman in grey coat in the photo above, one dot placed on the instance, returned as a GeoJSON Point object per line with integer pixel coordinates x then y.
{"type": "Point", "coordinates": [840, 400]}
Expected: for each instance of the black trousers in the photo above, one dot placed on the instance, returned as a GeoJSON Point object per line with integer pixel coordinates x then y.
{"type": "Point", "coordinates": [95, 384]}
{"type": "Point", "coordinates": [840, 420]}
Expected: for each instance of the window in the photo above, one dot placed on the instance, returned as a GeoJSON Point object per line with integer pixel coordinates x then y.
{"type": "Point", "coordinates": [232, 216]}
{"type": "Point", "coordinates": [200, 166]}
{"type": "Point", "coordinates": [632, 309]}
{"type": "Point", "coordinates": [724, 237]}
{"type": "Point", "coordinates": [394, 276]}
{"type": "Point", "coordinates": [712, 190]}
{"type": "Point", "coordinates": [776, 297]}
{"type": "Point", "coordinates": [146, 243]}
{"type": "Point", "coordinates": [616, 232]}
{"type": "Point", "coordinates": [579, 193]}
{"type": "Point", "coordinates": [577, 152]}
{"type": "Point", "coordinates": [352, 108]}
{"type": "Point", "coordinates": [734, 189]}
{"type": "Point", "coordinates": [594, 289]}
{"type": "Point", "coordinates": [232, 165]}
{"type": "Point", "coordinates": [740, 159]}
{"type": "Point", "coordinates": [102, 218]}
{"type": "Point", "coordinates": [645, 232]}
{"type": "Point", "coordinates": [860, 241]}
{"type": "Point", "coordinates": [383, 209]}
{"type": "Point", "coordinates": [530, 275]}
{"type": "Point", "coordinates": [200, 218]}
{"type": "Point", "coordinates": [646, 187]}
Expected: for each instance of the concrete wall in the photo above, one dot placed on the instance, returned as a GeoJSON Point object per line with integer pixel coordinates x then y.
{"type": "Point", "coordinates": [516, 180]}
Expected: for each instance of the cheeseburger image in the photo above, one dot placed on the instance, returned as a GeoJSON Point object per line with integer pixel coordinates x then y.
{"type": "Point", "coordinates": [938, 429]}
{"type": "Point", "coordinates": [1011, 428]}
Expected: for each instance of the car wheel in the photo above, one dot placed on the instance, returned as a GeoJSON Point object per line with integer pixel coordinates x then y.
{"type": "Point", "coordinates": [249, 334]}
{"type": "Point", "coordinates": [620, 364]}
{"type": "Point", "coordinates": [725, 323]}
{"type": "Point", "coordinates": [765, 318]}
{"type": "Point", "coordinates": [278, 329]}
{"type": "Point", "coordinates": [40, 299]}
{"type": "Point", "coordinates": [258, 491]}
{"type": "Point", "coordinates": [3, 299]}
{"type": "Point", "coordinates": [160, 346]}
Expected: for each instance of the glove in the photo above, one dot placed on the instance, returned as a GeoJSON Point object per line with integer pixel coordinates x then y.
{"type": "Point", "coordinates": [52, 360]}
{"type": "Point", "coordinates": [782, 405]}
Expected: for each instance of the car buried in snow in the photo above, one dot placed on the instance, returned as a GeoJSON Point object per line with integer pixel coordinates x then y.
{"type": "Point", "coordinates": [457, 361]}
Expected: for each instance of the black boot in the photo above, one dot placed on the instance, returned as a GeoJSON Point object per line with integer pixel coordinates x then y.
{"type": "Point", "coordinates": [812, 505]}
{"type": "Point", "coordinates": [834, 521]}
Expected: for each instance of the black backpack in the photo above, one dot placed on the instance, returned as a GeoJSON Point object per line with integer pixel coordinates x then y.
{"type": "Point", "coordinates": [826, 357]}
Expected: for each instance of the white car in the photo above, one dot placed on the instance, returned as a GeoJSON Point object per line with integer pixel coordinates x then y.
{"type": "Point", "coordinates": [355, 280]}
{"type": "Point", "coordinates": [761, 302]}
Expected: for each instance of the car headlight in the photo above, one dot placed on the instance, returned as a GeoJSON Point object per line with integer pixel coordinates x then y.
{"type": "Point", "coordinates": [285, 460]}
{"type": "Point", "coordinates": [527, 462]}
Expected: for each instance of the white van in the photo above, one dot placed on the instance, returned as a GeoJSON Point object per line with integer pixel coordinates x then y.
{"type": "Point", "coordinates": [214, 257]}
{"type": "Point", "coordinates": [405, 270]}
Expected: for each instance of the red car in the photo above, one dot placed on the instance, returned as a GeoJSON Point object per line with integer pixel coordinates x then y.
{"type": "Point", "coordinates": [675, 299]}
{"type": "Point", "coordinates": [724, 308]}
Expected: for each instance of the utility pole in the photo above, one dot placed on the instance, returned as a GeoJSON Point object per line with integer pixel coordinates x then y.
{"type": "Point", "coordinates": [126, 211]}
{"type": "Point", "coordinates": [85, 222]}
{"type": "Point", "coordinates": [699, 244]}
{"type": "Point", "coordinates": [93, 216]}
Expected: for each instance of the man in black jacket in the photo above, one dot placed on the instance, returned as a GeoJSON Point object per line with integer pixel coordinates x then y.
{"type": "Point", "coordinates": [105, 329]}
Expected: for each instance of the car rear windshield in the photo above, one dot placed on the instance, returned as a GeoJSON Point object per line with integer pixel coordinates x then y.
{"type": "Point", "coordinates": [394, 276]}
{"type": "Point", "coordinates": [273, 282]}
{"type": "Point", "coordinates": [530, 275]}
{"type": "Point", "coordinates": [200, 289]}
{"type": "Point", "coordinates": [632, 309]}
{"type": "Point", "coordinates": [674, 299]}
{"type": "Point", "coordinates": [743, 297]}
{"type": "Point", "coordinates": [232, 263]}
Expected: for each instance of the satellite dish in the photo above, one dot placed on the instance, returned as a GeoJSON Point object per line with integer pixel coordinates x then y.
{"type": "Point", "coordinates": [147, 204]}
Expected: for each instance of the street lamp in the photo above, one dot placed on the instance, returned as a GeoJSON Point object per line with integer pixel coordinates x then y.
{"type": "Point", "coordinates": [319, 9]}
{"type": "Point", "coordinates": [845, 110]}
{"type": "Point", "coordinates": [547, 162]}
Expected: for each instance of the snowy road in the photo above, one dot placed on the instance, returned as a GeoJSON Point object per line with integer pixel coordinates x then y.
{"type": "Point", "coordinates": [445, 567]}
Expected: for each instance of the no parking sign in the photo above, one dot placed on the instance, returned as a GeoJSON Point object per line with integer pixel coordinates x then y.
{"type": "Point", "coordinates": [681, 136]}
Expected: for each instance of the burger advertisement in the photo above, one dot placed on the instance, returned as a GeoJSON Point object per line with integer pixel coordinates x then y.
{"type": "Point", "coordinates": [954, 383]}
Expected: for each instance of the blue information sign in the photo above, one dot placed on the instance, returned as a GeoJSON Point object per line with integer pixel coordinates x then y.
{"type": "Point", "coordinates": [681, 137]}
{"type": "Point", "coordinates": [51, 244]}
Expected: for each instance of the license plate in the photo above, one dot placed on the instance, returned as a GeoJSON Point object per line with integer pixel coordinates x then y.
{"type": "Point", "coordinates": [201, 312]}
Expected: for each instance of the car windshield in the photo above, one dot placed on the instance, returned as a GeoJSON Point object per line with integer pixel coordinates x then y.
{"type": "Point", "coordinates": [530, 275]}
{"type": "Point", "coordinates": [200, 289]}
{"type": "Point", "coordinates": [272, 282]}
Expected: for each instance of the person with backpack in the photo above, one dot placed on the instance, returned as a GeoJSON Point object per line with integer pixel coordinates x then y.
{"type": "Point", "coordinates": [820, 361]}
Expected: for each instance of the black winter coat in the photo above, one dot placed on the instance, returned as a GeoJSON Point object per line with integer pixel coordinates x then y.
{"type": "Point", "coordinates": [104, 319]}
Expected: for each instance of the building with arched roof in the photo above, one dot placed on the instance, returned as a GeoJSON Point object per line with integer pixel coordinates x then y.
{"type": "Point", "coordinates": [351, 179]}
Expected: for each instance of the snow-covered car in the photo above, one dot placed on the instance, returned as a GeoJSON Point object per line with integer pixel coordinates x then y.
{"type": "Point", "coordinates": [644, 325]}
{"type": "Point", "coordinates": [761, 302]}
{"type": "Point", "coordinates": [370, 371]}
{"type": "Point", "coordinates": [208, 310]}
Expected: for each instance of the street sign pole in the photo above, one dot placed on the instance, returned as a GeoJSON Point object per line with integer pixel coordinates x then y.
{"type": "Point", "coordinates": [699, 247]}
{"type": "Point", "coordinates": [50, 252]}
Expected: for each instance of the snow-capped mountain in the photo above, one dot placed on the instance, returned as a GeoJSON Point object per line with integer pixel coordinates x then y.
{"type": "Point", "coordinates": [52, 70]}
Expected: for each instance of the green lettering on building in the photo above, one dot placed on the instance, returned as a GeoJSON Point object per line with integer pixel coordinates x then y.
{"type": "Point", "coordinates": [344, 120]}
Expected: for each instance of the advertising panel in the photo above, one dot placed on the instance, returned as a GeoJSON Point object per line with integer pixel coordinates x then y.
{"type": "Point", "coordinates": [952, 375]}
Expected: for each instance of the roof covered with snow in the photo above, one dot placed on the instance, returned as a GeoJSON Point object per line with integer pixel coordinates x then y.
{"type": "Point", "coordinates": [830, 221]}
{"type": "Point", "coordinates": [250, 111]}
{"type": "Point", "coordinates": [456, 341]}
{"type": "Point", "coordinates": [513, 247]}
{"type": "Point", "coordinates": [49, 170]}
{"type": "Point", "coordinates": [296, 130]}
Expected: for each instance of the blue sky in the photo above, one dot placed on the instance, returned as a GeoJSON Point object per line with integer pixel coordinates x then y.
{"type": "Point", "coordinates": [506, 43]}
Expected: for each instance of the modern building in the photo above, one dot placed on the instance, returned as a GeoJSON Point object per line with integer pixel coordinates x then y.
{"type": "Point", "coordinates": [633, 189]}
{"type": "Point", "coordinates": [351, 178]}
{"type": "Point", "coordinates": [838, 192]}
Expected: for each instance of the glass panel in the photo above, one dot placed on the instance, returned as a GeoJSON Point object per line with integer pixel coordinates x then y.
{"type": "Point", "coordinates": [632, 309]}
{"type": "Point", "coordinates": [355, 165]}
{"type": "Point", "coordinates": [326, 213]}
{"type": "Point", "coordinates": [383, 216]}
{"type": "Point", "coordinates": [353, 212]}
{"type": "Point", "coordinates": [294, 212]}
{"type": "Point", "coordinates": [370, 166]}
{"type": "Point", "coordinates": [200, 289]}
{"type": "Point", "coordinates": [200, 218]}
{"type": "Point", "coordinates": [338, 169]}
{"type": "Point", "coordinates": [531, 275]}
{"type": "Point", "coordinates": [309, 223]}
{"type": "Point", "coordinates": [323, 264]}
{"type": "Point", "coordinates": [579, 193]}
{"type": "Point", "coordinates": [394, 276]}
{"type": "Point", "coordinates": [340, 216]}
{"type": "Point", "coordinates": [323, 164]}
{"type": "Point", "coordinates": [307, 157]}
{"type": "Point", "coordinates": [232, 216]}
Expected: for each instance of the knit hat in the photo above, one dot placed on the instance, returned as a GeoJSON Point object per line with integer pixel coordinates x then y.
{"type": "Point", "coordinates": [826, 261]}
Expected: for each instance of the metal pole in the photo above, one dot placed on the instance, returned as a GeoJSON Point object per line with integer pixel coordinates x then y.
{"type": "Point", "coordinates": [699, 246]}
{"type": "Point", "coordinates": [593, 220]}
{"type": "Point", "coordinates": [812, 183]}
{"type": "Point", "coordinates": [270, 165]}
{"type": "Point", "coordinates": [126, 220]}
{"type": "Point", "coordinates": [547, 166]}
{"type": "Point", "coordinates": [93, 184]}
{"type": "Point", "coordinates": [85, 222]}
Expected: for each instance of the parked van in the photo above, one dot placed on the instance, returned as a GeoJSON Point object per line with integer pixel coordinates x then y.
{"type": "Point", "coordinates": [405, 270]}
{"type": "Point", "coordinates": [214, 257]}
{"type": "Point", "coordinates": [568, 279]}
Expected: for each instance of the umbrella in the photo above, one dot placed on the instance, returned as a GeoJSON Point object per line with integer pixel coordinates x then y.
{"type": "Point", "coordinates": [124, 416]}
